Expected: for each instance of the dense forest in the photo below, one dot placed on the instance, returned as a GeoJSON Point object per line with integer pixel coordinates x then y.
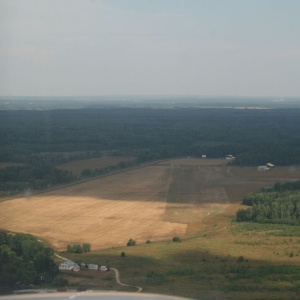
{"type": "Point", "coordinates": [24, 262]}
{"type": "Point", "coordinates": [40, 140]}
{"type": "Point", "coordinates": [278, 205]}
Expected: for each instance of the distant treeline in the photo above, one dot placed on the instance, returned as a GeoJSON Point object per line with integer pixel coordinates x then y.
{"type": "Point", "coordinates": [42, 140]}
{"type": "Point", "coordinates": [253, 136]}
{"type": "Point", "coordinates": [35, 176]}
{"type": "Point", "coordinates": [24, 261]}
{"type": "Point", "coordinates": [277, 205]}
{"type": "Point", "coordinates": [40, 175]}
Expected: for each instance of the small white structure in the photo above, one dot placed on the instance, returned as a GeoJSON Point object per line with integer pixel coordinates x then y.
{"type": "Point", "coordinates": [103, 268]}
{"type": "Point", "coordinates": [93, 267]}
{"type": "Point", "coordinates": [68, 265]}
{"type": "Point", "coordinates": [269, 165]}
{"type": "Point", "coordinates": [230, 157]}
{"type": "Point", "coordinates": [263, 169]}
{"type": "Point", "coordinates": [203, 155]}
{"type": "Point", "coordinates": [76, 268]}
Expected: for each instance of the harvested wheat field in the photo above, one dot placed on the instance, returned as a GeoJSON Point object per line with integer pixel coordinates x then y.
{"type": "Point", "coordinates": [155, 202]}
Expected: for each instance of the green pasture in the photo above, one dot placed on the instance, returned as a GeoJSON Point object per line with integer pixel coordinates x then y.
{"type": "Point", "coordinates": [207, 267]}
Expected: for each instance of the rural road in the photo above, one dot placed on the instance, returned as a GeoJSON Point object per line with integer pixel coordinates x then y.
{"type": "Point", "coordinates": [117, 273]}
{"type": "Point", "coordinates": [117, 276]}
{"type": "Point", "coordinates": [63, 258]}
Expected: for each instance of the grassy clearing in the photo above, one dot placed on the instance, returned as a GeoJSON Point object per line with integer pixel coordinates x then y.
{"type": "Point", "coordinates": [200, 268]}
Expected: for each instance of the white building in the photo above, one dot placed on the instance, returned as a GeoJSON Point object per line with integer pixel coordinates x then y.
{"type": "Point", "coordinates": [68, 265]}
{"type": "Point", "coordinates": [230, 157]}
{"type": "Point", "coordinates": [103, 268]}
{"type": "Point", "coordinates": [263, 168]}
{"type": "Point", "coordinates": [93, 267]}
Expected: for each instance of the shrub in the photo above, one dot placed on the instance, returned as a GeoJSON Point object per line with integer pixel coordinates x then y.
{"type": "Point", "coordinates": [86, 247]}
{"type": "Point", "coordinates": [176, 239]}
{"type": "Point", "coordinates": [131, 242]}
{"type": "Point", "coordinates": [148, 242]}
{"type": "Point", "coordinates": [241, 259]}
{"type": "Point", "coordinates": [123, 254]}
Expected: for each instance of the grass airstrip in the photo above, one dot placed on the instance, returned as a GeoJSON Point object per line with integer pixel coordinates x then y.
{"type": "Point", "coordinates": [195, 199]}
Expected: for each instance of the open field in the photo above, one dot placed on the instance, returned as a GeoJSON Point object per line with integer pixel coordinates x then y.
{"type": "Point", "coordinates": [176, 197]}
{"type": "Point", "coordinates": [76, 167]}
{"type": "Point", "coordinates": [195, 199]}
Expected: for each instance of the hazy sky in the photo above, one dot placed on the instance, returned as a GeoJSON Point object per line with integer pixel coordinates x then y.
{"type": "Point", "coordinates": [150, 47]}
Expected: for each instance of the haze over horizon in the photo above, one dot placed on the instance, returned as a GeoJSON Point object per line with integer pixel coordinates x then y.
{"type": "Point", "coordinates": [142, 47]}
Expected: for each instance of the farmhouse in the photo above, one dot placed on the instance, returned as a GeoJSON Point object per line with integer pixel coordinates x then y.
{"type": "Point", "coordinates": [93, 267]}
{"type": "Point", "coordinates": [68, 265]}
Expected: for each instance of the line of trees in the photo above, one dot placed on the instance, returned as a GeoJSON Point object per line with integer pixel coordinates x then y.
{"type": "Point", "coordinates": [35, 176]}
{"type": "Point", "coordinates": [102, 171]}
{"type": "Point", "coordinates": [79, 248]}
{"type": "Point", "coordinates": [279, 204]}
{"type": "Point", "coordinates": [253, 136]}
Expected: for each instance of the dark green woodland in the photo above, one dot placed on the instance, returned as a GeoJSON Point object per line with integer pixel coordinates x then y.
{"type": "Point", "coordinates": [41, 140]}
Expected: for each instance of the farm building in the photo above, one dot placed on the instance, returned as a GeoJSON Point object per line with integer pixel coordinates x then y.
{"type": "Point", "coordinates": [263, 168]}
{"type": "Point", "coordinates": [103, 268]}
{"type": "Point", "coordinates": [93, 267]}
{"type": "Point", "coordinates": [68, 265]}
{"type": "Point", "coordinates": [230, 157]}
{"type": "Point", "coordinates": [269, 165]}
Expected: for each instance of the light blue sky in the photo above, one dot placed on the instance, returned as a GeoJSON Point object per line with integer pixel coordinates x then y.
{"type": "Point", "coordinates": [149, 47]}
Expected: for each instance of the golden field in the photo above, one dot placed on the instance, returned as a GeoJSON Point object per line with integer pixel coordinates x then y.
{"type": "Point", "coordinates": [171, 198]}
